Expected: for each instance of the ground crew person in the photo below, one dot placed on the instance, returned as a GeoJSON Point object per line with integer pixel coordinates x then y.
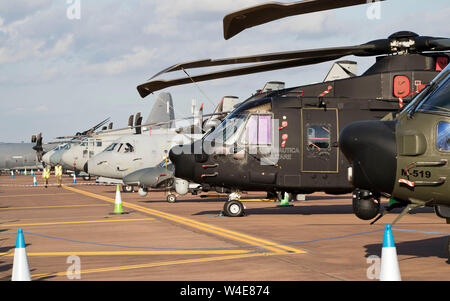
{"type": "Point", "coordinates": [58, 174]}
{"type": "Point", "coordinates": [46, 174]}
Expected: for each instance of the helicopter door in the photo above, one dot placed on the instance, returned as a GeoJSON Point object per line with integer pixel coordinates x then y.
{"type": "Point", "coordinates": [320, 140]}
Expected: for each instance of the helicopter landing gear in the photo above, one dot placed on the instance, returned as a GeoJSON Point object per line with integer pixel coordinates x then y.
{"type": "Point", "coordinates": [171, 198]}
{"type": "Point", "coordinates": [127, 188]}
{"type": "Point", "coordinates": [233, 207]}
{"type": "Point", "coordinates": [87, 178]}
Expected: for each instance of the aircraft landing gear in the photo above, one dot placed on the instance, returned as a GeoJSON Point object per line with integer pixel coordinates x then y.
{"type": "Point", "coordinates": [233, 207]}
{"type": "Point", "coordinates": [171, 198]}
{"type": "Point", "coordinates": [127, 188]}
{"type": "Point", "coordinates": [87, 178]}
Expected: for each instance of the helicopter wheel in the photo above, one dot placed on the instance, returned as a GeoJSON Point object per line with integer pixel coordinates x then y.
{"type": "Point", "coordinates": [233, 208]}
{"type": "Point", "coordinates": [127, 188]}
{"type": "Point", "coordinates": [171, 198]}
{"type": "Point", "coordinates": [87, 178]}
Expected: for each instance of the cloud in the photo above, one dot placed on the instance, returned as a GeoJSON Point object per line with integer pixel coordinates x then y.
{"type": "Point", "coordinates": [127, 62]}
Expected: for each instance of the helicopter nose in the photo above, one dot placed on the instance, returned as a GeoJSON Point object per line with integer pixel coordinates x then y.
{"type": "Point", "coordinates": [371, 148]}
{"type": "Point", "coordinates": [183, 160]}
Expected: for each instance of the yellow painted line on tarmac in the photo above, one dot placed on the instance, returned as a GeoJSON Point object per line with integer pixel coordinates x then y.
{"type": "Point", "coordinates": [274, 247]}
{"type": "Point", "coordinates": [46, 207]}
{"type": "Point", "coordinates": [256, 200]}
{"type": "Point", "coordinates": [124, 253]}
{"type": "Point", "coordinates": [80, 222]}
{"type": "Point", "coordinates": [156, 264]}
{"type": "Point", "coordinates": [35, 195]}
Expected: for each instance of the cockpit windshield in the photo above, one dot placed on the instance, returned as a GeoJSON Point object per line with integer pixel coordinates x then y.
{"type": "Point", "coordinates": [439, 101]}
{"type": "Point", "coordinates": [111, 147]}
{"type": "Point", "coordinates": [435, 98]}
{"type": "Point", "coordinates": [228, 131]}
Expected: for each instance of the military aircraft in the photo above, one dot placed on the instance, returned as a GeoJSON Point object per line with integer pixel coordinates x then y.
{"type": "Point", "coordinates": [88, 145]}
{"type": "Point", "coordinates": [134, 152]}
{"type": "Point", "coordinates": [161, 175]}
{"type": "Point", "coordinates": [406, 159]}
{"type": "Point", "coordinates": [54, 156]}
{"type": "Point", "coordinates": [288, 140]}
{"type": "Point", "coordinates": [22, 156]}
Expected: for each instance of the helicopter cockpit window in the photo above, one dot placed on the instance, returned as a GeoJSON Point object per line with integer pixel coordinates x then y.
{"type": "Point", "coordinates": [111, 147]}
{"type": "Point", "coordinates": [258, 130]}
{"type": "Point", "coordinates": [318, 137]}
{"type": "Point", "coordinates": [228, 131]}
{"type": "Point", "coordinates": [438, 102]}
{"type": "Point", "coordinates": [443, 137]}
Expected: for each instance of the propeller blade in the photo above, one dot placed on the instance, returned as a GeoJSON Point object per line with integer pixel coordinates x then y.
{"type": "Point", "coordinates": [95, 127]}
{"type": "Point", "coordinates": [130, 120]}
{"type": "Point", "coordinates": [138, 126]}
{"type": "Point", "coordinates": [240, 20]}
{"type": "Point", "coordinates": [152, 86]}
{"type": "Point", "coordinates": [136, 118]}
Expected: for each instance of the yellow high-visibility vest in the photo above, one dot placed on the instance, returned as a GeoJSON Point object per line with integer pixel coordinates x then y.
{"type": "Point", "coordinates": [58, 171]}
{"type": "Point", "coordinates": [46, 173]}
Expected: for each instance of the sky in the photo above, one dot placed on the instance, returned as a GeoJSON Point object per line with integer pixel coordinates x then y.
{"type": "Point", "coordinates": [60, 74]}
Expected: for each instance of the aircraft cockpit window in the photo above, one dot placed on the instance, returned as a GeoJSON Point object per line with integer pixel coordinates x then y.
{"type": "Point", "coordinates": [318, 137]}
{"type": "Point", "coordinates": [111, 147]}
{"type": "Point", "coordinates": [228, 131]}
{"type": "Point", "coordinates": [439, 101]}
{"type": "Point", "coordinates": [258, 130]}
{"type": "Point", "coordinates": [443, 137]}
{"type": "Point", "coordinates": [128, 148]}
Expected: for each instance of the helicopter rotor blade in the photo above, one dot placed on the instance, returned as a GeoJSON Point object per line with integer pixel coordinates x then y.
{"type": "Point", "coordinates": [366, 49]}
{"type": "Point", "coordinates": [152, 86]}
{"type": "Point", "coordinates": [432, 44]}
{"type": "Point", "coordinates": [240, 20]}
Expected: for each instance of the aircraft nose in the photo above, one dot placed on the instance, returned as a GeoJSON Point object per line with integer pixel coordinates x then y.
{"type": "Point", "coordinates": [183, 160]}
{"type": "Point", "coordinates": [371, 148]}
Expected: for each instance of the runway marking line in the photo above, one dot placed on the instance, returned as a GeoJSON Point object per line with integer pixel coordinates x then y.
{"type": "Point", "coordinates": [124, 253]}
{"type": "Point", "coordinates": [35, 195]}
{"type": "Point", "coordinates": [48, 207]}
{"type": "Point", "coordinates": [274, 247]}
{"type": "Point", "coordinates": [79, 222]}
{"type": "Point", "coordinates": [157, 264]}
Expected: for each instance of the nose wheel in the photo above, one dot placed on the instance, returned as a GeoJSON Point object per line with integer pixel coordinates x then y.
{"type": "Point", "coordinates": [127, 188]}
{"type": "Point", "coordinates": [233, 208]}
{"type": "Point", "coordinates": [171, 198]}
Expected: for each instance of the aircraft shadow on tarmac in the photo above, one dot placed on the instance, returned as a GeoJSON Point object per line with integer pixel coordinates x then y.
{"type": "Point", "coordinates": [431, 247]}
{"type": "Point", "coordinates": [304, 209]}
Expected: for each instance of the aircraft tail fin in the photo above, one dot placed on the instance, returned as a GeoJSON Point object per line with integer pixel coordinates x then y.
{"type": "Point", "coordinates": [162, 111]}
